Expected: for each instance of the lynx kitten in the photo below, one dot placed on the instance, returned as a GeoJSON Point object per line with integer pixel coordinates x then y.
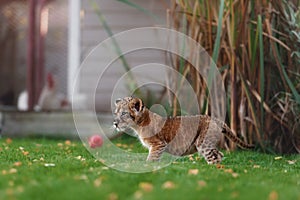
{"type": "Point", "coordinates": [178, 135]}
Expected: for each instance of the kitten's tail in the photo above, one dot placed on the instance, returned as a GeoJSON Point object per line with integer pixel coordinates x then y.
{"type": "Point", "coordinates": [228, 133]}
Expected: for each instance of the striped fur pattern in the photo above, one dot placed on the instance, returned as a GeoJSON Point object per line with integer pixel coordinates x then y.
{"type": "Point", "coordinates": [178, 136]}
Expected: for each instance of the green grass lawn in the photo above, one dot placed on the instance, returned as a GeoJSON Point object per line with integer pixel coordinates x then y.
{"type": "Point", "coordinates": [58, 169]}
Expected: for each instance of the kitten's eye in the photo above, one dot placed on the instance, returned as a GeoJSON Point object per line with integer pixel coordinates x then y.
{"type": "Point", "coordinates": [124, 113]}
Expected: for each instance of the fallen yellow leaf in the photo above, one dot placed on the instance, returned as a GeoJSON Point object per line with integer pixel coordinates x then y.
{"type": "Point", "coordinates": [20, 189]}
{"type": "Point", "coordinates": [113, 196]}
{"type": "Point", "coordinates": [11, 183]}
{"type": "Point", "coordinates": [104, 168]}
{"type": "Point", "coordinates": [13, 171]}
{"type": "Point", "coordinates": [256, 166]}
{"type": "Point", "coordinates": [273, 195]}
{"type": "Point", "coordinates": [119, 145]}
{"type": "Point", "coordinates": [219, 166]}
{"type": "Point", "coordinates": [234, 195]}
{"type": "Point", "coordinates": [145, 186]}
{"type": "Point", "coordinates": [78, 157]}
{"type": "Point", "coordinates": [81, 177]}
{"type": "Point", "coordinates": [193, 171]}
{"type": "Point", "coordinates": [49, 165]}
{"type": "Point", "coordinates": [17, 164]}
{"type": "Point", "coordinates": [202, 183]}
{"type": "Point", "coordinates": [291, 162]}
{"type": "Point", "coordinates": [168, 185]}
{"type": "Point", "coordinates": [10, 191]}
{"type": "Point", "coordinates": [235, 175]}
{"type": "Point", "coordinates": [228, 171]}
{"type": "Point", "coordinates": [8, 141]}
{"type": "Point", "coordinates": [98, 182]}
{"type": "Point", "coordinates": [278, 158]}
{"type": "Point", "coordinates": [138, 194]}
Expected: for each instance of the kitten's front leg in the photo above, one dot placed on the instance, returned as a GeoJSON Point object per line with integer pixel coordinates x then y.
{"type": "Point", "coordinates": [155, 152]}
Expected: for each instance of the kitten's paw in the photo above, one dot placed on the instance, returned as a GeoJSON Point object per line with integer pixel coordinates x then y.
{"type": "Point", "coordinates": [214, 156]}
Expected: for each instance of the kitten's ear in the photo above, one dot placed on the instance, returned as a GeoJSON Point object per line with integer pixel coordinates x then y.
{"type": "Point", "coordinates": [118, 100]}
{"type": "Point", "coordinates": [138, 104]}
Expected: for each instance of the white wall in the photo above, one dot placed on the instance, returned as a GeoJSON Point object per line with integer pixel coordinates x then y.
{"type": "Point", "coordinates": [120, 17]}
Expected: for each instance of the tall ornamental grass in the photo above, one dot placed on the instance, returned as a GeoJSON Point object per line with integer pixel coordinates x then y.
{"type": "Point", "coordinates": [256, 46]}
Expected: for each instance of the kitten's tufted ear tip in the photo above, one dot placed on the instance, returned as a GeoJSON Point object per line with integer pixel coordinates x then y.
{"type": "Point", "coordinates": [118, 101]}
{"type": "Point", "coordinates": [139, 105]}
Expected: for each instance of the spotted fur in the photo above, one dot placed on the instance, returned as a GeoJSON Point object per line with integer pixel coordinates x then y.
{"type": "Point", "coordinates": [178, 136]}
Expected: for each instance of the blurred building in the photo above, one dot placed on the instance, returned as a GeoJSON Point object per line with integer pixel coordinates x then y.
{"type": "Point", "coordinates": [41, 36]}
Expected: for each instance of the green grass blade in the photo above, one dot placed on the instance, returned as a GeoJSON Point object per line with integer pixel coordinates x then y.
{"type": "Point", "coordinates": [143, 10]}
{"type": "Point", "coordinates": [261, 70]}
{"type": "Point", "coordinates": [219, 31]}
{"type": "Point", "coordinates": [287, 79]}
{"type": "Point", "coordinates": [254, 49]}
{"type": "Point", "coordinates": [216, 50]}
{"type": "Point", "coordinates": [251, 30]}
{"type": "Point", "coordinates": [131, 84]}
{"type": "Point", "coordinates": [252, 110]}
{"type": "Point", "coordinates": [183, 44]}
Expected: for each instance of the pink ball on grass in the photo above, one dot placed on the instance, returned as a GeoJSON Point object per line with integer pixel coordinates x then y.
{"type": "Point", "coordinates": [95, 141]}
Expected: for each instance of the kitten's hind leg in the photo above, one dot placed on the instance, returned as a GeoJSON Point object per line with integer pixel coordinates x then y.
{"type": "Point", "coordinates": [206, 145]}
{"type": "Point", "coordinates": [213, 156]}
{"type": "Point", "coordinates": [210, 153]}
